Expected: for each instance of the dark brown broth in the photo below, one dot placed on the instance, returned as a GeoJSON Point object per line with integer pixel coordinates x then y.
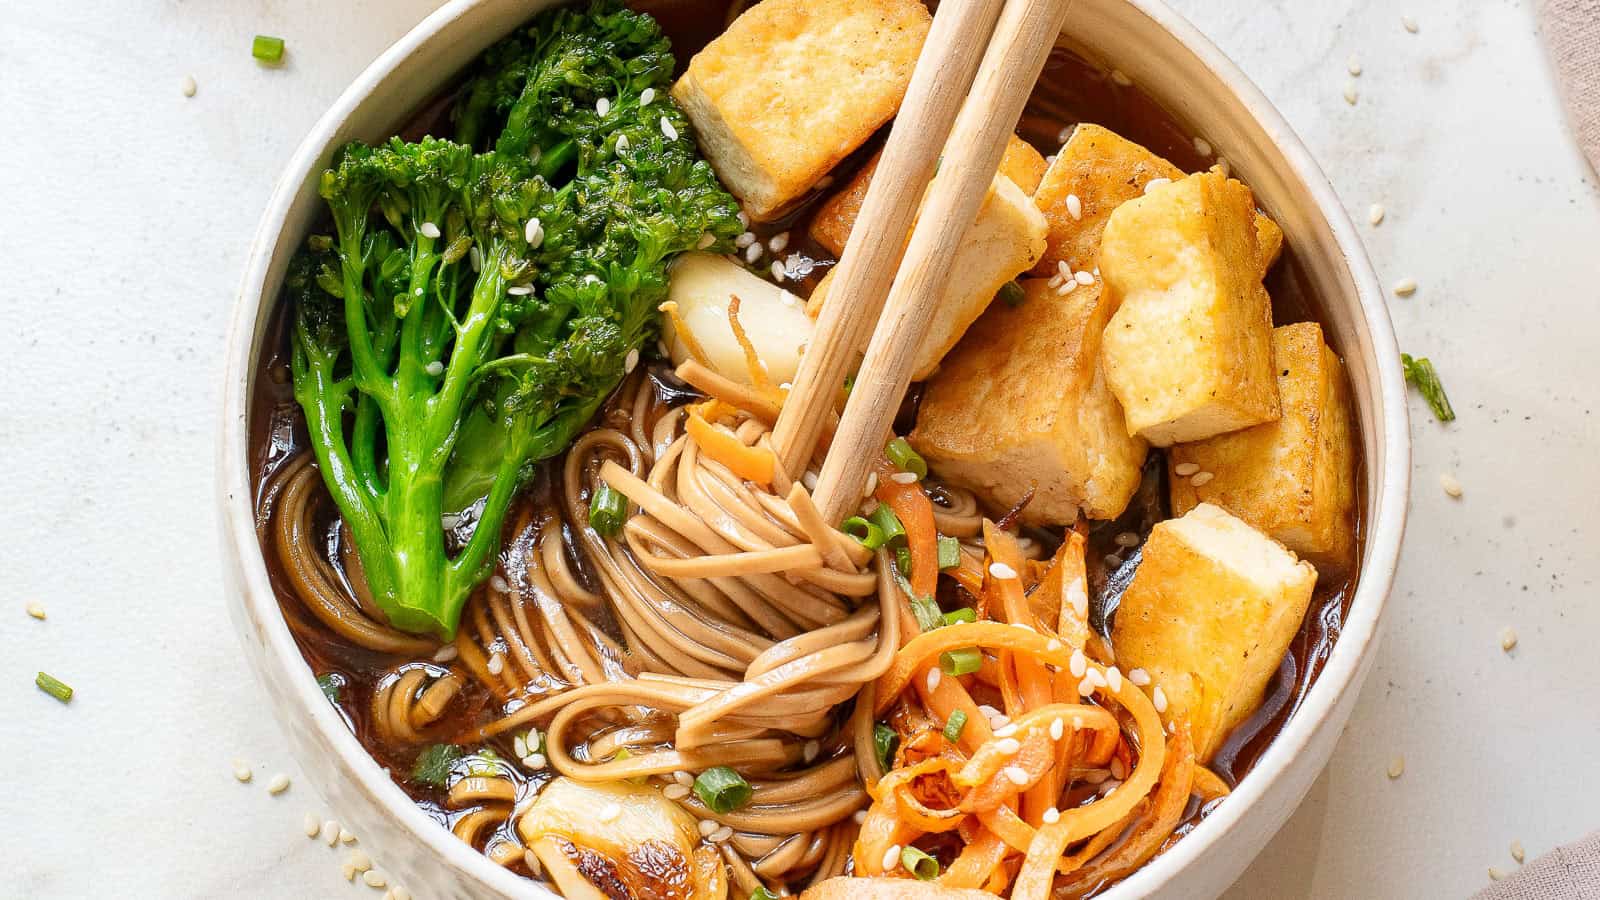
{"type": "Point", "coordinates": [1071, 90]}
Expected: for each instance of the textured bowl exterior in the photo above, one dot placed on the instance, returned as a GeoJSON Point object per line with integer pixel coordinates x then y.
{"type": "Point", "coordinates": [1167, 58]}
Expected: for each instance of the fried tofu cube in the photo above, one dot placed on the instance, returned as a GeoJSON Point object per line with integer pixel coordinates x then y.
{"type": "Point", "coordinates": [835, 218]}
{"type": "Point", "coordinates": [793, 86]}
{"type": "Point", "coordinates": [1189, 351]}
{"type": "Point", "coordinates": [1022, 403]}
{"type": "Point", "coordinates": [1294, 478]}
{"type": "Point", "coordinates": [1096, 171]}
{"type": "Point", "coordinates": [1209, 615]}
{"type": "Point", "coordinates": [1004, 240]}
{"type": "Point", "coordinates": [703, 286]}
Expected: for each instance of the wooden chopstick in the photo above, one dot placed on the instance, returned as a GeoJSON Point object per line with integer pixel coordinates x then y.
{"type": "Point", "coordinates": [1023, 37]}
{"type": "Point", "coordinates": [939, 84]}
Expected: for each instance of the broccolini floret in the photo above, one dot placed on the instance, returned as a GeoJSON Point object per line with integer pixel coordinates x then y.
{"type": "Point", "coordinates": [479, 299]}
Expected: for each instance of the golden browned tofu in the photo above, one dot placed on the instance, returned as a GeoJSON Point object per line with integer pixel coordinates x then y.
{"type": "Point", "coordinates": [1004, 240]}
{"type": "Point", "coordinates": [1022, 403]}
{"type": "Point", "coordinates": [1096, 171]}
{"type": "Point", "coordinates": [834, 219]}
{"type": "Point", "coordinates": [793, 86]}
{"type": "Point", "coordinates": [1209, 614]}
{"type": "Point", "coordinates": [1293, 478]}
{"type": "Point", "coordinates": [1189, 351]}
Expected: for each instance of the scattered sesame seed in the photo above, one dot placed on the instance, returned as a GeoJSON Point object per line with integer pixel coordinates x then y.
{"type": "Point", "coordinates": [1397, 766]}
{"type": "Point", "coordinates": [434, 368]}
{"type": "Point", "coordinates": [1064, 134]}
{"type": "Point", "coordinates": [1200, 478]}
{"type": "Point", "coordinates": [428, 230]}
{"type": "Point", "coordinates": [1154, 183]}
{"type": "Point", "coordinates": [374, 879]}
{"type": "Point", "coordinates": [622, 147]}
{"type": "Point", "coordinates": [811, 749]}
{"type": "Point", "coordinates": [1001, 570]}
{"type": "Point", "coordinates": [1096, 678]}
{"type": "Point", "coordinates": [1405, 287]}
{"type": "Point", "coordinates": [683, 778]}
{"type": "Point", "coordinates": [904, 478]}
{"type": "Point", "coordinates": [1077, 723]}
{"type": "Point", "coordinates": [1120, 78]}
{"type": "Point", "coordinates": [1517, 853]}
{"type": "Point", "coordinates": [330, 832]}
{"type": "Point", "coordinates": [1495, 874]}
{"type": "Point", "coordinates": [667, 131]}
{"type": "Point", "coordinates": [609, 812]}
{"type": "Point", "coordinates": [933, 678]}
{"type": "Point", "coordinates": [631, 362]}
{"type": "Point", "coordinates": [744, 218]}
{"type": "Point", "coordinates": [1051, 816]}
{"type": "Point", "coordinates": [312, 827]}
{"type": "Point", "coordinates": [189, 86]}
{"type": "Point", "coordinates": [446, 653]}
{"type": "Point", "coordinates": [1408, 24]}
{"type": "Point", "coordinates": [1114, 678]}
{"type": "Point", "coordinates": [1508, 638]}
{"type": "Point", "coordinates": [1058, 727]}
{"type": "Point", "coordinates": [1008, 746]}
{"type": "Point", "coordinates": [1006, 730]}
{"type": "Point", "coordinates": [278, 784]}
{"type": "Point", "coordinates": [1078, 664]}
{"type": "Point", "coordinates": [1054, 645]}
{"type": "Point", "coordinates": [1375, 213]}
{"type": "Point", "coordinates": [348, 871]}
{"type": "Point", "coordinates": [1086, 687]}
{"type": "Point", "coordinates": [872, 483]}
{"type": "Point", "coordinates": [1109, 787]}
{"type": "Point", "coordinates": [744, 240]}
{"type": "Point", "coordinates": [809, 479]}
{"type": "Point", "coordinates": [1451, 485]}
{"type": "Point", "coordinates": [36, 609]}
{"type": "Point", "coordinates": [1064, 270]}
{"type": "Point", "coordinates": [1354, 67]}
{"type": "Point", "coordinates": [722, 834]}
{"type": "Point", "coordinates": [646, 95]}
{"type": "Point", "coordinates": [1139, 677]}
{"type": "Point", "coordinates": [1066, 287]}
{"type": "Point", "coordinates": [346, 836]}
{"type": "Point", "coordinates": [241, 771]}
{"type": "Point", "coordinates": [1350, 95]}
{"type": "Point", "coordinates": [778, 242]}
{"type": "Point", "coordinates": [999, 721]}
{"type": "Point", "coordinates": [497, 664]}
{"type": "Point", "coordinates": [1083, 278]}
{"type": "Point", "coordinates": [675, 791]}
{"type": "Point", "coordinates": [1202, 146]}
{"type": "Point", "coordinates": [401, 893]}
{"type": "Point", "coordinates": [533, 232]}
{"type": "Point", "coordinates": [359, 861]}
{"type": "Point", "coordinates": [777, 271]}
{"type": "Point", "coordinates": [1185, 469]}
{"type": "Point", "coordinates": [1017, 775]}
{"type": "Point", "coordinates": [1074, 206]}
{"type": "Point", "coordinates": [707, 826]}
{"type": "Point", "coordinates": [1119, 769]}
{"type": "Point", "coordinates": [891, 857]}
{"type": "Point", "coordinates": [1129, 539]}
{"type": "Point", "coordinates": [534, 761]}
{"type": "Point", "coordinates": [989, 712]}
{"type": "Point", "coordinates": [603, 105]}
{"type": "Point", "coordinates": [1159, 698]}
{"type": "Point", "coordinates": [499, 583]}
{"type": "Point", "coordinates": [860, 816]}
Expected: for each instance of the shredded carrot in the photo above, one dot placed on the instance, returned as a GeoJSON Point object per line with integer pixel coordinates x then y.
{"type": "Point", "coordinates": [681, 329]}
{"type": "Point", "coordinates": [915, 512]}
{"type": "Point", "coordinates": [752, 360]}
{"type": "Point", "coordinates": [756, 464]}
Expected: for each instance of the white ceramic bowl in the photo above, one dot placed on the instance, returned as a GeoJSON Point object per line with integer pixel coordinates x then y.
{"type": "Point", "coordinates": [1168, 59]}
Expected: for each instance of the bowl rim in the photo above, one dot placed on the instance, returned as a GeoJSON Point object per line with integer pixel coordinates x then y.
{"type": "Point", "coordinates": [282, 657]}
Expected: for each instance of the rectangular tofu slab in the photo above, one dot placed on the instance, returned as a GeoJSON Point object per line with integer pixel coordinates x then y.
{"type": "Point", "coordinates": [835, 218]}
{"type": "Point", "coordinates": [1209, 615]}
{"type": "Point", "coordinates": [1294, 478]}
{"type": "Point", "coordinates": [1096, 171]}
{"type": "Point", "coordinates": [1003, 242]}
{"type": "Point", "coordinates": [1021, 402]}
{"type": "Point", "coordinates": [793, 86]}
{"type": "Point", "coordinates": [1189, 350]}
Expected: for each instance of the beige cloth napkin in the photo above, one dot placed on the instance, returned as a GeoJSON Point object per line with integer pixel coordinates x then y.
{"type": "Point", "coordinates": [1565, 873]}
{"type": "Point", "coordinates": [1571, 30]}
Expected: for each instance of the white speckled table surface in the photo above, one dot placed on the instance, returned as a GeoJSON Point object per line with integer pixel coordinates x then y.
{"type": "Point", "coordinates": [128, 211]}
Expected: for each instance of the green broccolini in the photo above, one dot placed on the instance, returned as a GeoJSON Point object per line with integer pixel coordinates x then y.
{"type": "Point", "coordinates": [480, 298]}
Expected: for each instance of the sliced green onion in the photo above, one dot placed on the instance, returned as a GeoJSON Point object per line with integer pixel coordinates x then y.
{"type": "Point", "coordinates": [266, 48]}
{"type": "Point", "coordinates": [885, 519]}
{"type": "Point", "coordinates": [761, 893]}
{"type": "Point", "coordinates": [919, 864]}
{"type": "Point", "coordinates": [330, 682]}
{"type": "Point", "coordinates": [906, 459]}
{"type": "Point", "coordinates": [952, 728]}
{"type": "Point", "coordinates": [884, 741]}
{"type": "Point", "coordinates": [54, 686]}
{"type": "Point", "coordinates": [866, 534]}
{"type": "Point", "coordinates": [926, 612]}
{"type": "Point", "coordinates": [434, 764]}
{"type": "Point", "coordinates": [849, 384]}
{"type": "Point", "coordinates": [722, 789]}
{"type": "Point", "coordinates": [949, 552]}
{"type": "Point", "coordinates": [1012, 293]}
{"type": "Point", "coordinates": [964, 614]}
{"type": "Point", "coordinates": [1422, 376]}
{"type": "Point", "coordinates": [964, 661]}
{"type": "Point", "coordinates": [607, 510]}
{"type": "Point", "coordinates": [485, 764]}
{"type": "Point", "coordinates": [902, 560]}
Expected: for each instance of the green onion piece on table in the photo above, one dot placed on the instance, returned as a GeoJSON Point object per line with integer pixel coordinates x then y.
{"type": "Point", "coordinates": [1421, 375]}
{"type": "Point", "coordinates": [53, 686]}
{"type": "Point", "coordinates": [267, 48]}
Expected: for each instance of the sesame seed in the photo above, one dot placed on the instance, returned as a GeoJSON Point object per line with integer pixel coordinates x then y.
{"type": "Point", "coordinates": [1079, 598]}
{"type": "Point", "coordinates": [603, 105]}
{"type": "Point", "coordinates": [631, 362]}
{"type": "Point", "coordinates": [1096, 678]}
{"type": "Point", "coordinates": [1405, 287]}
{"type": "Point", "coordinates": [278, 784]}
{"type": "Point", "coordinates": [744, 240]}
{"type": "Point", "coordinates": [374, 879]}
{"type": "Point", "coordinates": [891, 857]}
{"type": "Point", "coordinates": [1185, 469]}
{"type": "Point", "coordinates": [608, 812]}
{"type": "Point", "coordinates": [778, 242]}
{"type": "Point", "coordinates": [1517, 853]}
{"type": "Point", "coordinates": [428, 230]}
{"type": "Point", "coordinates": [1154, 183]}
{"type": "Point", "coordinates": [1159, 697]}
{"type": "Point", "coordinates": [809, 479]}
{"type": "Point", "coordinates": [1066, 287]}
{"type": "Point", "coordinates": [1118, 76]}
{"type": "Point", "coordinates": [533, 232]}
{"type": "Point", "coordinates": [706, 827]}
{"type": "Point", "coordinates": [722, 834]}
{"type": "Point", "coordinates": [810, 749]}
{"type": "Point", "coordinates": [675, 791]}
{"type": "Point", "coordinates": [1408, 24]}
{"type": "Point", "coordinates": [1353, 67]}
{"type": "Point", "coordinates": [1077, 723]}
{"type": "Point", "coordinates": [1139, 677]}
{"type": "Point", "coordinates": [1450, 484]}
{"type": "Point", "coordinates": [434, 368]}
{"type": "Point", "coordinates": [36, 609]}
{"type": "Point", "coordinates": [1200, 478]}
{"type": "Point", "coordinates": [499, 584]}
{"type": "Point", "coordinates": [683, 778]}
{"type": "Point", "coordinates": [777, 271]}
{"type": "Point", "coordinates": [241, 771]}
{"type": "Point", "coordinates": [348, 872]}
{"type": "Point", "coordinates": [1001, 570]}
{"type": "Point", "coordinates": [1078, 664]}
{"type": "Point", "coordinates": [933, 678]}
{"type": "Point", "coordinates": [622, 147]}
{"type": "Point", "coordinates": [189, 86]}
{"type": "Point", "coordinates": [1074, 206]}
{"type": "Point", "coordinates": [904, 478]}
{"type": "Point", "coordinates": [1015, 774]}
{"type": "Point", "coordinates": [1350, 95]}
{"type": "Point", "coordinates": [1114, 679]}
{"type": "Point", "coordinates": [1128, 539]}
{"type": "Point", "coordinates": [401, 893]}
{"type": "Point", "coordinates": [1008, 746]}
{"type": "Point", "coordinates": [346, 836]}
{"type": "Point", "coordinates": [1083, 278]}
{"type": "Point", "coordinates": [330, 832]}
{"type": "Point", "coordinates": [497, 664]}
{"type": "Point", "coordinates": [1397, 766]}
{"type": "Point", "coordinates": [1058, 727]}
{"type": "Point", "coordinates": [1495, 874]}
{"type": "Point", "coordinates": [999, 721]}
{"type": "Point", "coordinates": [1064, 134]}
{"type": "Point", "coordinates": [312, 827]}
{"type": "Point", "coordinates": [1508, 638]}
{"type": "Point", "coordinates": [1223, 164]}
{"type": "Point", "coordinates": [667, 131]}
{"type": "Point", "coordinates": [872, 483]}
{"type": "Point", "coordinates": [1051, 816]}
{"type": "Point", "coordinates": [1119, 769]}
{"type": "Point", "coordinates": [860, 816]}
{"type": "Point", "coordinates": [988, 711]}
{"type": "Point", "coordinates": [359, 861]}
{"type": "Point", "coordinates": [1375, 213]}
{"type": "Point", "coordinates": [446, 653]}
{"type": "Point", "coordinates": [744, 218]}
{"type": "Point", "coordinates": [1109, 787]}
{"type": "Point", "coordinates": [1006, 730]}
{"type": "Point", "coordinates": [646, 95]}
{"type": "Point", "coordinates": [1054, 645]}
{"type": "Point", "coordinates": [1202, 146]}
{"type": "Point", "coordinates": [1086, 686]}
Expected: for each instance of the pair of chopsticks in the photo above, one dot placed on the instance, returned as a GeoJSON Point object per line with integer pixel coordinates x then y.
{"type": "Point", "coordinates": [977, 68]}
